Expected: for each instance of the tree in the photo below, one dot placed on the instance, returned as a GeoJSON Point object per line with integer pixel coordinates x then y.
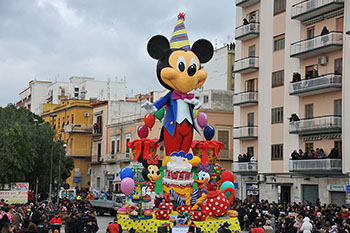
{"type": "Point", "coordinates": [25, 149]}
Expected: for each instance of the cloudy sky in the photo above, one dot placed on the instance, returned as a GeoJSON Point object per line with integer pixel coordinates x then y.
{"type": "Point", "coordinates": [57, 39]}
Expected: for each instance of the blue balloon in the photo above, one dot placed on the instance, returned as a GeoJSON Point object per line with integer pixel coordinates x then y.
{"type": "Point", "coordinates": [126, 172]}
{"type": "Point", "coordinates": [209, 132]}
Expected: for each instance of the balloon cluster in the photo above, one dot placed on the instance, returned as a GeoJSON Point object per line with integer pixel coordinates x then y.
{"type": "Point", "coordinates": [149, 120]}
{"type": "Point", "coordinates": [208, 130]}
{"type": "Point", "coordinates": [226, 181]}
{"type": "Point", "coordinates": [127, 184]}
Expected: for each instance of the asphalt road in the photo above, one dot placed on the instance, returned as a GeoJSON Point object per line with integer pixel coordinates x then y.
{"type": "Point", "coordinates": [103, 221]}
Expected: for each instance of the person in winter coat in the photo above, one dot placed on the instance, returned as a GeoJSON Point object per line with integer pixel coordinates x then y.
{"type": "Point", "coordinates": [307, 226]}
{"type": "Point", "coordinates": [298, 223]}
{"type": "Point", "coordinates": [114, 227]}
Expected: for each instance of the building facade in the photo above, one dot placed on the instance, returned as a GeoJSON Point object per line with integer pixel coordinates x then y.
{"type": "Point", "coordinates": [290, 94]}
{"type": "Point", "coordinates": [72, 121]}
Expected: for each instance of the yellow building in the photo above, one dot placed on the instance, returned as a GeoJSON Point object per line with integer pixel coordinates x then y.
{"type": "Point", "coordinates": [72, 120]}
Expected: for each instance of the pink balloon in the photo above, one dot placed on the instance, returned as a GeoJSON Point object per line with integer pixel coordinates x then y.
{"type": "Point", "coordinates": [202, 120]}
{"type": "Point", "coordinates": [127, 186]}
{"type": "Point", "coordinates": [142, 131]}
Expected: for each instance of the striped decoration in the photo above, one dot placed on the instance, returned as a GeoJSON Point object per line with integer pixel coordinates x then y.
{"type": "Point", "coordinates": [179, 39]}
{"type": "Point", "coordinates": [176, 197]}
{"type": "Point", "coordinates": [195, 196]}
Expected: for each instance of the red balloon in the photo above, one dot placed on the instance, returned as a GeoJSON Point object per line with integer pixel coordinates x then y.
{"type": "Point", "coordinates": [149, 120]}
{"type": "Point", "coordinates": [142, 131]}
{"type": "Point", "coordinates": [227, 176]}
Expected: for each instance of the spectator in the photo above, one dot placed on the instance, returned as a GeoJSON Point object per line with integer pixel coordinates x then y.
{"type": "Point", "coordinates": [296, 77]}
{"type": "Point", "coordinates": [295, 155]}
{"type": "Point", "coordinates": [245, 21]}
{"type": "Point", "coordinates": [298, 223]}
{"type": "Point", "coordinates": [324, 35]}
{"type": "Point", "coordinates": [114, 227]}
{"type": "Point", "coordinates": [306, 227]}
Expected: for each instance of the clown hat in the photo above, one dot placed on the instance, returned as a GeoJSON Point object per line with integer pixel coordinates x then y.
{"type": "Point", "coordinates": [179, 39]}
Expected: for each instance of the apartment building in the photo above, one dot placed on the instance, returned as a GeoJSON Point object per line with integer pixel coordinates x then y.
{"type": "Point", "coordinates": [83, 88]}
{"type": "Point", "coordinates": [292, 57]}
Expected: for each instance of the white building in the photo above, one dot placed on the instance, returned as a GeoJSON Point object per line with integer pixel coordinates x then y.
{"type": "Point", "coordinates": [282, 37]}
{"type": "Point", "coordinates": [41, 92]}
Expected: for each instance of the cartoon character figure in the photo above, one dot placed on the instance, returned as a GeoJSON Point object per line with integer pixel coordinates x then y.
{"type": "Point", "coordinates": [179, 70]}
{"type": "Point", "coordinates": [203, 178]}
{"type": "Point", "coordinates": [151, 172]}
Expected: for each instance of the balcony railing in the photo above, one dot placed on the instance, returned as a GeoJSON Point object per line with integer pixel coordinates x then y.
{"type": "Point", "coordinates": [78, 152]}
{"type": "Point", "coordinates": [246, 65]}
{"type": "Point", "coordinates": [226, 154]}
{"type": "Point", "coordinates": [245, 132]}
{"type": "Point", "coordinates": [315, 165]}
{"type": "Point", "coordinates": [317, 45]}
{"type": "Point", "coordinates": [246, 32]}
{"type": "Point", "coordinates": [110, 158]}
{"type": "Point", "coordinates": [245, 167]}
{"type": "Point", "coordinates": [77, 128]}
{"type": "Point", "coordinates": [321, 84]}
{"type": "Point", "coordinates": [246, 3]}
{"type": "Point", "coordinates": [312, 8]}
{"type": "Point", "coordinates": [124, 157]}
{"type": "Point", "coordinates": [322, 124]}
{"type": "Point", "coordinates": [245, 98]}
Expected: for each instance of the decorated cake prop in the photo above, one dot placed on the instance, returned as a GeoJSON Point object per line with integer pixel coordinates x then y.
{"type": "Point", "coordinates": [185, 189]}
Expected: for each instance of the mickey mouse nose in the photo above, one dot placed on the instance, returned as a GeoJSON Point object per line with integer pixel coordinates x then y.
{"type": "Point", "coordinates": [191, 70]}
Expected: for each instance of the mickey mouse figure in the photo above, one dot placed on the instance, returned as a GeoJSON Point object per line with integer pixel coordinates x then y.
{"type": "Point", "coordinates": [178, 70]}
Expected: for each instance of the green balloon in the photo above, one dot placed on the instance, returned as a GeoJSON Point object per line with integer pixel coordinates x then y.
{"type": "Point", "coordinates": [159, 114]}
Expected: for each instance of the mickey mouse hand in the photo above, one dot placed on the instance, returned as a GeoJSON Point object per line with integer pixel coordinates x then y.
{"type": "Point", "coordinates": [149, 107]}
{"type": "Point", "coordinates": [195, 102]}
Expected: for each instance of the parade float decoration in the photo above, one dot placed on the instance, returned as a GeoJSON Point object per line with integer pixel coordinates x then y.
{"type": "Point", "coordinates": [194, 190]}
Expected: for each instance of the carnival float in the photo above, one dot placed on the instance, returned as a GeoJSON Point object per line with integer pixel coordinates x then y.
{"type": "Point", "coordinates": [188, 191]}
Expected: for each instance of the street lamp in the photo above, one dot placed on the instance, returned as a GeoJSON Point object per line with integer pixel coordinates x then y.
{"type": "Point", "coordinates": [52, 115]}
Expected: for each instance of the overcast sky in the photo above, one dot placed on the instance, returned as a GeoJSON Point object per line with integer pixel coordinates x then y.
{"type": "Point", "coordinates": [57, 39]}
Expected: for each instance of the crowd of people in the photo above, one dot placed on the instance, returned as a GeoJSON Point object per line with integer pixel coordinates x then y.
{"type": "Point", "coordinates": [293, 217]}
{"type": "Point", "coordinates": [246, 158]}
{"type": "Point", "coordinates": [315, 154]}
{"type": "Point", "coordinates": [77, 215]}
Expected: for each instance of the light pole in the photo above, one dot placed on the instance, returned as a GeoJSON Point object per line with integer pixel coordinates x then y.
{"type": "Point", "coordinates": [53, 115]}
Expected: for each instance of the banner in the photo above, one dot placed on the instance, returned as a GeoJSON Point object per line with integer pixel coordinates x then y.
{"type": "Point", "coordinates": [14, 196]}
{"type": "Point", "coordinates": [19, 186]}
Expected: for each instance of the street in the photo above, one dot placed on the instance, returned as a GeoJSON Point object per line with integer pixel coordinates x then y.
{"type": "Point", "coordinates": [103, 222]}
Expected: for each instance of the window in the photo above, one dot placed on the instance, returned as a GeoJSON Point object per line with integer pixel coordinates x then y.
{"type": "Point", "coordinates": [72, 119]}
{"type": "Point", "coordinates": [99, 152]}
{"type": "Point", "coordinates": [277, 115]}
{"type": "Point", "coordinates": [251, 51]}
{"type": "Point", "coordinates": [205, 99]}
{"type": "Point", "coordinates": [127, 149]}
{"type": "Point", "coordinates": [338, 66]}
{"type": "Point", "coordinates": [279, 6]}
{"type": "Point", "coordinates": [113, 148]}
{"type": "Point", "coordinates": [278, 78]}
{"type": "Point", "coordinates": [99, 124]}
{"type": "Point", "coordinates": [59, 123]}
{"type": "Point", "coordinates": [223, 136]}
{"type": "Point", "coordinates": [278, 43]}
{"type": "Point", "coordinates": [63, 91]}
{"type": "Point", "coordinates": [250, 150]}
{"type": "Point", "coordinates": [310, 33]}
{"type": "Point", "coordinates": [337, 107]}
{"type": "Point", "coordinates": [251, 85]}
{"type": "Point", "coordinates": [309, 111]}
{"type": "Point", "coordinates": [277, 152]}
{"type": "Point", "coordinates": [309, 146]}
{"type": "Point", "coordinates": [118, 145]}
{"type": "Point", "coordinates": [253, 16]}
{"type": "Point", "coordinates": [98, 182]}
{"type": "Point", "coordinates": [338, 145]}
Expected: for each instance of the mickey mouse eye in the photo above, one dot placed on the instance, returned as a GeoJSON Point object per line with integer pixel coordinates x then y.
{"type": "Point", "coordinates": [194, 63]}
{"type": "Point", "coordinates": [151, 171]}
{"type": "Point", "coordinates": [181, 64]}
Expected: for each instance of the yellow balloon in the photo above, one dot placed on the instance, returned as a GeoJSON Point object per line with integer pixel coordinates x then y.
{"type": "Point", "coordinates": [195, 113]}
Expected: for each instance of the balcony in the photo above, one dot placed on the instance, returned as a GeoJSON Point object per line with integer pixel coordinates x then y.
{"type": "Point", "coordinates": [321, 84]}
{"type": "Point", "coordinates": [312, 8]}
{"type": "Point", "coordinates": [109, 158]}
{"type": "Point", "coordinates": [77, 128]}
{"type": "Point", "coordinates": [245, 132]}
{"type": "Point", "coordinates": [226, 155]}
{"type": "Point", "coordinates": [124, 157]}
{"type": "Point", "coordinates": [245, 98]}
{"type": "Point", "coordinates": [317, 45]}
{"type": "Point", "coordinates": [245, 3]}
{"type": "Point", "coordinates": [316, 165]}
{"type": "Point", "coordinates": [246, 65]}
{"type": "Point", "coordinates": [78, 152]}
{"type": "Point", "coordinates": [322, 124]}
{"type": "Point", "coordinates": [244, 167]}
{"type": "Point", "coordinates": [246, 32]}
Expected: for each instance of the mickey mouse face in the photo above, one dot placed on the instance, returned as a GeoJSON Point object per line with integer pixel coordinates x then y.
{"type": "Point", "coordinates": [154, 173]}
